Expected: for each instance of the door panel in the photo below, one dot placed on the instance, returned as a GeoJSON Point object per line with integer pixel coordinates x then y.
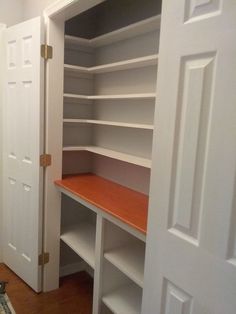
{"type": "Point", "coordinates": [190, 266]}
{"type": "Point", "coordinates": [23, 144]}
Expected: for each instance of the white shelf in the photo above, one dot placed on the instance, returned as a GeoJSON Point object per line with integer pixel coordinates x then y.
{"type": "Point", "coordinates": [142, 27]}
{"type": "Point", "coordinates": [125, 300]}
{"type": "Point", "coordinates": [111, 123]}
{"type": "Point", "coordinates": [139, 161]}
{"type": "Point", "coordinates": [116, 66]}
{"type": "Point", "coordinates": [130, 260]}
{"type": "Point", "coordinates": [81, 239]}
{"type": "Point", "coordinates": [122, 96]}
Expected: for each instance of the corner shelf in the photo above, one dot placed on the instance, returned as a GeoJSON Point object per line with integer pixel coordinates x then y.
{"type": "Point", "coordinates": [104, 97]}
{"type": "Point", "coordinates": [111, 123]}
{"type": "Point", "coordinates": [129, 260]}
{"type": "Point", "coordinates": [116, 66]}
{"type": "Point", "coordinates": [135, 160]}
{"type": "Point", "coordinates": [132, 30]}
{"type": "Point", "coordinates": [127, 205]}
{"type": "Point", "coordinates": [126, 299]}
{"type": "Point", "coordinates": [81, 239]}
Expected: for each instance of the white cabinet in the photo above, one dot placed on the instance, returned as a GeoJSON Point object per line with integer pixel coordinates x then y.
{"type": "Point", "coordinates": [109, 101]}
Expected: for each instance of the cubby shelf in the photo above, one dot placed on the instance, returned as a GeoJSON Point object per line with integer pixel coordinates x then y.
{"type": "Point", "coordinates": [126, 299]}
{"type": "Point", "coordinates": [132, 30]}
{"type": "Point", "coordinates": [139, 161]}
{"type": "Point", "coordinates": [127, 205]}
{"type": "Point", "coordinates": [130, 260]}
{"type": "Point", "coordinates": [111, 123]}
{"type": "Point", "coordinates": [81, 239]}
{"type": "Point", "coordinates": [104, 97]}
{"type": "Point", "coordinates": [116, 66]}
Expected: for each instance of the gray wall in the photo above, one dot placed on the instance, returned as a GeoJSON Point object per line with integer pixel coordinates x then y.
{"type": "Point", "coordinates": [11, 11]}
{"type": "Point", "coordinates": [33, 8]}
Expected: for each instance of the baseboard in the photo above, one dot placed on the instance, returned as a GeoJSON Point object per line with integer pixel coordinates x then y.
{"type": "Point", "coordinates": [72, 268]}
{"type": "Point", "coordinates": [89, 270]}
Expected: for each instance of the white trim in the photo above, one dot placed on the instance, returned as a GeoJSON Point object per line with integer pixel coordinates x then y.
{"type": "Point", "coordinates": [65, 9]}
{"type": "Point", "coordinates": [2, 27]}
{"type": "Point", "coordinates": [55, 16]}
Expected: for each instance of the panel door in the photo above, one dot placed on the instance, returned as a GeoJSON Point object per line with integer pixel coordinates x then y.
{"type": "Point", "coordinates": [22, 146]}
{"type": "Point", "coordinates": [191, 242]}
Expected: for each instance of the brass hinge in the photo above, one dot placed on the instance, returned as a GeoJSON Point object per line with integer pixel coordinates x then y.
{"type": "Point", "coordinates": [43, 259]}
{"type": "Point", "coordinates": [46, 52]}
{"type": "Point", "coordinates": [45, 160]}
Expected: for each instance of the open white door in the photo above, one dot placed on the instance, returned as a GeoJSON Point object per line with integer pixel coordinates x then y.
{"type": "Point", "coordinates": [191, 249]}
{"type": "Point", "coordinates": [23, 144]}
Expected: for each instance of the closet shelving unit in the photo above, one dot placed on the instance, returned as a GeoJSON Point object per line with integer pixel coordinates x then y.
{"type": "Point", "coordinates": [109, 101]}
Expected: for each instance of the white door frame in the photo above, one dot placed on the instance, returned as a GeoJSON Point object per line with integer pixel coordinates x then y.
{"type": "Point", "coordinates": [55, 16]}
{"type": "Point", "coordinates": [2, 27]}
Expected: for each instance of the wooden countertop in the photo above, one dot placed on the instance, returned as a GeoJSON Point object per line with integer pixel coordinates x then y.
{"type": "Point", "coordinates": [129, 206]}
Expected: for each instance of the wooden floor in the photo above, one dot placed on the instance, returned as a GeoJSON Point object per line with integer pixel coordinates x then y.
{"type": "Point", "coordinates": [73, 297]}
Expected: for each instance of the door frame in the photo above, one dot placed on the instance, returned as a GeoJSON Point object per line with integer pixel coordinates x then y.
{"type": "Point", "coordinates": [55, 16]}
{"type": "Point", "coordinates": [2, 58]}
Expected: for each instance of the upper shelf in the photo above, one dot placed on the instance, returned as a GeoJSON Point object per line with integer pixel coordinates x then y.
{"type": "Point", "coordinates": [111, 123]}
{"type": "Point", "coordinates": [116, 66]}
{"type": "Point", "coordinates": [104, 97]}
{"type": "Point", "coordinates": [135, 160]}
{"type": "Point", "coordinates": [142, 27]}
{"type": "Point", "coordinates": [127, 205]}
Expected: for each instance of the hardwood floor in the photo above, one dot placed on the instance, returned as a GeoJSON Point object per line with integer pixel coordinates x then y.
{"type": "Point", "coordinates": [73, 297]}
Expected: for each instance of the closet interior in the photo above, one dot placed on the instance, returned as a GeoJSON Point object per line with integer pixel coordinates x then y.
{"type": "Point", "coordinates": [110, 73]}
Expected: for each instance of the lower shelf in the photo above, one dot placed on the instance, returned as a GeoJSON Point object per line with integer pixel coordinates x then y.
{"type": "Point", "coordinates": [81, 239]}
{"type": "Point", "coordinates": [126, 299]}
{"type": "Point", "coordinates": [130, 260]}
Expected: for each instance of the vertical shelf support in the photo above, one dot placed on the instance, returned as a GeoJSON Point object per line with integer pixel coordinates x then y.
{"type": "Point", "coordinates": [99, 249]}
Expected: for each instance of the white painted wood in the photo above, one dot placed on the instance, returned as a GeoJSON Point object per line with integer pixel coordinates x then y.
{"type": "Point", "coordinates": [23, 144]}
{"type": "Point", "coordinates": [190, 266]}
{"type": "Point", "coordinates": [104, 97]}
{"type": "Point", "coordinates": [81, 239]}
{"type": "Point", "coordinates": [144, 162]}
{"type": "Point", "coordinates": [126, 32]}
{"type": "Point", "coordinates": [126, 299]}
{"type": "Point", "coordinates": [116, 66]}
{"type": "Point", "coordinates": [2, 60]}
{"type": "Point", "coordinates": [111, 123]}
{"type": "Point", "coordinates": [98, 272]}
{"type": "Point", "coordinates": [62, 10]}
{"type": "Point", "coordinates": [129, 259]}
{"type": "Point", "coordinates": [53, 144]}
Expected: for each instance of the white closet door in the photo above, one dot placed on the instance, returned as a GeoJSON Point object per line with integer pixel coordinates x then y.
{"type": "Point", "coordinates": [23, 143]}
{"type": "Point", "coordinates": [191, 242]}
